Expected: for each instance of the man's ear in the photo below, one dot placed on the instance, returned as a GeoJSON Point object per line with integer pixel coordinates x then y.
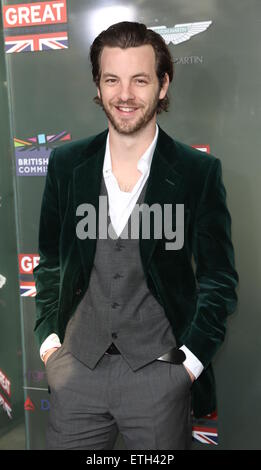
{"type": "Point", "coordinates": [98, 92]}
{"type": "Point", "coordinates": [165, 87]}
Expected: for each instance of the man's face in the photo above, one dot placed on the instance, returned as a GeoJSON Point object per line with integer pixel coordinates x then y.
{"type": "Point", "coordinates": [123, 84]}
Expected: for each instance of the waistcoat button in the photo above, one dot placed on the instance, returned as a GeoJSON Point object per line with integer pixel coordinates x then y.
{"type": "Point", "coordinates": [119, 246]}
{"type": "Point", "coordinates": [115, 305]}
{"type": "Point", "coordinates": [117, 275]}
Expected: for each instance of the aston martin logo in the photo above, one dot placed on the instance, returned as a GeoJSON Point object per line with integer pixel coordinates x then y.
{"type": "Point", "coordinates": [180, 32]}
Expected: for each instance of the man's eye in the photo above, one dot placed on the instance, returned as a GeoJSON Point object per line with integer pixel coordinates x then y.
{"type": "Point", "coordinates": [112, 80]}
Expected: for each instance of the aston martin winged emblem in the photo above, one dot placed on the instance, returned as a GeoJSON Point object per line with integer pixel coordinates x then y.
{"type": "Point", "coordinates": [180, 32]}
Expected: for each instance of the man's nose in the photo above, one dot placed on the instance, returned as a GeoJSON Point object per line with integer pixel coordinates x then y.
{"type": "Point", "coordinates": [126, 92]}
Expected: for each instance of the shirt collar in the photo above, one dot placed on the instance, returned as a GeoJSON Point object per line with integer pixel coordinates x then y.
{"type": "Point", "coordinates": [144, 161]}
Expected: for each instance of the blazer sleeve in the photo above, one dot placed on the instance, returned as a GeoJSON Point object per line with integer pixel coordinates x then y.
{"type": "Point", "coordinates": [47, 272]}
{"type": "Point", "coordinates": [215, 268]}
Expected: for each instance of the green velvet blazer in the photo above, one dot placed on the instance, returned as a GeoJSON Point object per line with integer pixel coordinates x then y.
{"type": "Point", "coordinates": [195, 284]}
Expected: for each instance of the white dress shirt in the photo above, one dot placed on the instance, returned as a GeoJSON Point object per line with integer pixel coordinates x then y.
{"type": "Point", "coordinates": [121, 204]}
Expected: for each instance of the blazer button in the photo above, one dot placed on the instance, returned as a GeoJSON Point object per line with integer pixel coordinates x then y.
{"type": "Point", "coordinates": [78, 291]}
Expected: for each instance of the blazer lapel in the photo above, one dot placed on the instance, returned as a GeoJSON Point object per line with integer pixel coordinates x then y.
{"type": "Point", "coordinates": [162, 187]}
{"type": "Point", "coordinates": [87, 179]}
{"type": "Point", "coordinates": [164, 181]}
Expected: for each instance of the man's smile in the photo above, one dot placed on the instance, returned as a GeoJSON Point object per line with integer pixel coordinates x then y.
{"type": "Point", "coordinates": [126, 111]}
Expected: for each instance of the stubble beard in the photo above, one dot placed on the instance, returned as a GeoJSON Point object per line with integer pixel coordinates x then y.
{"type": "Point", "coordinates": [125, 126]}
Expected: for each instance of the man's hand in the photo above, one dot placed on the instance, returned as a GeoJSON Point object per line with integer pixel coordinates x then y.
{"type": "Point", "coordinates": [190, 374]}
{"type": "Point", "coordinates": [49, 353]}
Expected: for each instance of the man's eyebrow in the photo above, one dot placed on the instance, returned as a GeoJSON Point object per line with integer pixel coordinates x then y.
{"type": "Point", "coordinates": [141, 74]}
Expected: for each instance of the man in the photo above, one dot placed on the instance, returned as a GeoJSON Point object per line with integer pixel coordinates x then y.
{"type": "Point", "coordinates": [127, 329]}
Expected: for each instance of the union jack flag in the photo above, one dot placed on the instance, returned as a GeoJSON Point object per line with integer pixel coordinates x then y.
{"type": "Point", "coordinates": [205, 435]}
{"type": "Point", "coordinates": [205, 430]}
{"type": "Point", "coordinates": [36, 42]}
{"type": "Point", "coordinates": [27, 289]}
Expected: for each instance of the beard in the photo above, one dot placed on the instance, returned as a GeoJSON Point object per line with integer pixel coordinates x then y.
{"type": "Point", "coordinates": [130, 126]}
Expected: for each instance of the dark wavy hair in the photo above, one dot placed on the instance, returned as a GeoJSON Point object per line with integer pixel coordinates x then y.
{"type": "Point", "coordinates": [131, 34]}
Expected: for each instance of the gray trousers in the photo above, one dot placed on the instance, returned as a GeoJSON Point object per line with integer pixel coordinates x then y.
{"type": "Point", "coordinates": [150, 407]}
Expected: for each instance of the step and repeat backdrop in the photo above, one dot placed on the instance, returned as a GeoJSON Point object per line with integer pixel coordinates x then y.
{"type": "Point", "coordinates": [215, 107]}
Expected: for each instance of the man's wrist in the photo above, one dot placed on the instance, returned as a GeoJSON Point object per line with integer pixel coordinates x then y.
{"type": "Point", "coordinates": [192, 376]}
{"type": "Point", "coordinates": [48, 351]}
{"type": "Point", "coordinates": [52, 341]}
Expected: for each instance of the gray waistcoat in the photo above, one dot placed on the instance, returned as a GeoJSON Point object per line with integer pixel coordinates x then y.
{"type": "Point", "coordinates": [118, 307]}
